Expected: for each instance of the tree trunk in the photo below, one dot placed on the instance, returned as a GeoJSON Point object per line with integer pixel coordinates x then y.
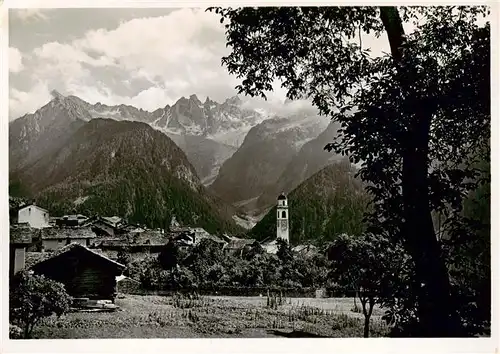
{"type": "Point", "coordinates": [28, 327]}
{"type": "Point", "coordinates": [366, 331]}
{"type": "Point", "coordinates": [434, 299]}
{"type": "Point", "coordinates": [367, 313]}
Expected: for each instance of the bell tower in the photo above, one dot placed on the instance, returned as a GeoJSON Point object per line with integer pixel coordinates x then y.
{"type": "Point", "coordinates": [282, 226]}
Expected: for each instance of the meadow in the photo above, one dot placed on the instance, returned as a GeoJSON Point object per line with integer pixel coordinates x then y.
{"type": "Point", "coordinates": [148, 316]}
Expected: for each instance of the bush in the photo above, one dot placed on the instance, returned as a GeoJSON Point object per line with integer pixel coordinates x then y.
{"type": "Point", "coordinates": [177, 278]}
{"type": "Point", "coordinates": [15, 332]}
{"type": "Point", "coordinates": [34, 297]}
{"type": "Point", "coordinates": [206, 266]}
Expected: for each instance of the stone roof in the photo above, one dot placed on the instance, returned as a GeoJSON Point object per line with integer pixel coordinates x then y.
{"type": "Point", "coordinates": [148, 238]}
{"type": "Point", "coordinates": [112, 219]}
{"type": "Point", "coordinates": [151, 237]}
{"type": "Point", "coordinates": [210, 237]}
{"type": "Point", "coordinates": [111, 242]}
{"type": "Point", "coordinates": [22, 235]}
{"type": "Point", "coordinates": [57, 233]}
{"type": "Point", "coordinates": [306, 250]}
{"type": "Point", "coordinates": [74, 217]}
{"type": "Point", "coordinates": [238, 243]}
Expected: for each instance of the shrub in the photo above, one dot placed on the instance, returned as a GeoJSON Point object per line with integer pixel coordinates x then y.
{"type": "Point", "coordinates": [34, 297]}
{"type": "Point", "coordinates": [15, 332]}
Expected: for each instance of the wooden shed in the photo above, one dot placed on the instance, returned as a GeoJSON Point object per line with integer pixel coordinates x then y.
{"type": "Point", "coordinates": [84, 272]}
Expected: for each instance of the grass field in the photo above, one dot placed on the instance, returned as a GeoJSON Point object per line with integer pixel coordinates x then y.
{"type": "Point", "coordinates": [212, 316]}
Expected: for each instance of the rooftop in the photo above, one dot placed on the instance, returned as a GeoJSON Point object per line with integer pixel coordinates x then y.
{"type": "Point", "coordinates": [22, 235]}
{"type": "Point", "coordinates": [56, 233]}
{"type": "Point", "coordinates": [34, 206]}
{"type": "Point", "coordinates": [112, 219]}
{"type": "Point", "coordinates": [72, 247]}
{"type": "Point", "coordinates": [237, 243]}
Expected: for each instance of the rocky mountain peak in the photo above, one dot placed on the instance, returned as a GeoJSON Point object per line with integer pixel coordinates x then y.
{"type": "Point", "coordinates": [235, 100]}
{"type": "Point", "coordinates": [194, 98]}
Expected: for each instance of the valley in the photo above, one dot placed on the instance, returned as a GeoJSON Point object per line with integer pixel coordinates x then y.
{"type": "Point", "coordinates": [233, 159]}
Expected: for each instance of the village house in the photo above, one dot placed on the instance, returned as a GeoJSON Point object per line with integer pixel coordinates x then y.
{"type": "Point", "coordinates": [270, 246]}
{"type": "Point", "coordinates": [33, 215]}
{"type": "Point", "coordinates": [183, 239]}
{"type": "Point", "coordinates": [189, 236]}
{"type": "Point", "coordinates": [20, 239]}
{"type": "Point", "coordinates": [72, 220]}
{"type": "Point", "coordinates": [306, 250]}
{"type": "Point", "coordinates": [193, 236]}
{"type": "Point", "coordinates": [138, 244]}
{"type": "Point", "coordinates": [237, 246]}
{"type": "Point", "coordinates": [85, 273]}
{"type": "Point", "coordinates": [109, 226]}
{"type": "Point", "coordinates": [58, 237]}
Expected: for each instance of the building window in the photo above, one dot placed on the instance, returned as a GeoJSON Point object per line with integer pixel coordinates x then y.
{"type": "Point", "coordinates": [283, 214]}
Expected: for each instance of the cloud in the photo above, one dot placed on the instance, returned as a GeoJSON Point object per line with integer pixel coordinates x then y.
{"type": "Point", "coordinates": [146, 62]}
{"type": "Point", "coordinates": [177, 54]}
{"type": "Point", "coordinates": [15, 60]}
{"type": "Point", "coordinates": [21, 102]}
{"type": "Point", "coordinates": [31, 14]}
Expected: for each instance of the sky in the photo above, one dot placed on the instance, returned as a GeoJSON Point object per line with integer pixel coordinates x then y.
{"type": "Point", "coordinates": [144, 57]}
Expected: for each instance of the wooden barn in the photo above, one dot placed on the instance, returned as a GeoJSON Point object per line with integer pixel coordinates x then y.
{"type": "Point", "coordinates": [84, 272]}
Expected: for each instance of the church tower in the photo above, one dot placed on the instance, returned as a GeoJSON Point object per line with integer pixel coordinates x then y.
{"type": "Point", "coordinates": [282, 227]}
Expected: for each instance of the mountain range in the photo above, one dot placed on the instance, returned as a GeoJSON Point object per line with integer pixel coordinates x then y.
{"type": "Point", "coordinates": [124, 168]}
{"type": "Point", "coordinates": [235, 158]}
{"type": "Point", "coordinates": [267, 150]}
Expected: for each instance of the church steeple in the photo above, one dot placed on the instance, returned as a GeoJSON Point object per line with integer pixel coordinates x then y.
{"type": "Point", "coordinates": [282, 225]}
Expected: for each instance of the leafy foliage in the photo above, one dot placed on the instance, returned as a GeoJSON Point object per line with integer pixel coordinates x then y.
{"type": "Point", "coordinates": [468, 253]}
{"type": "Point", "coordinates": [370, 265]}
{"type": "Point", "coordinates": [124, 256]}
{"type": "Point", "coordinates": [169, 256]}
{"type": "Point", "coordinates": [206, 265]}
{"type": "Point", "coordinates": [34, 297]}
{"type": "Point", "coordinates": [399, 113]}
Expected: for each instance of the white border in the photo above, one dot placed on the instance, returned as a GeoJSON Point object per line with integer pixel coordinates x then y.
{"type": "Point", "coordinates": [473, 345]}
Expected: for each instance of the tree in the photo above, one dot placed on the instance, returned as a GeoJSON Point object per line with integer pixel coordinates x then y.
{"type": "Point", "coordinates": [252, 251]}
{"type": "Point", "coordinates": [177, 278]}
{"type": "Point", "coordinates": [124, 258]}
{"type": "Point", "coordinates": [467, 248]}
{"type": "Point", "coordinates": [169, 256]}
{"type": "Point", "coordinates": [34, 297]}
{"type": "Point", "coordinates": [398, 112]}
{"type": "Point", "coordinates": [202, 258]}
{"type": "Point", "coordinates": [368, 264]}
{"type": "Point", "coordinates": [284, 253]}
{"type": "Point", "coordinates": [147, 271]}
{"type": "Point", "coordinates": [313, 270]}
